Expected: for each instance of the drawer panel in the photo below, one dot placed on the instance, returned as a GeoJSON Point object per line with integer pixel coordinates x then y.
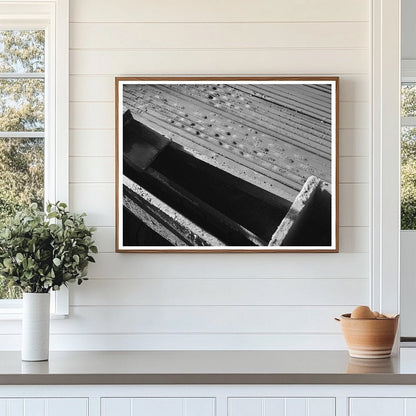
{"type": "Point", "coordinates": [386, 406]}
{"type": "Point", "coordinates": [159, 406]}
{"type": "Point", "coordinates": [44, 407]}
{"type": "Point", "coordinates": [281, 406]}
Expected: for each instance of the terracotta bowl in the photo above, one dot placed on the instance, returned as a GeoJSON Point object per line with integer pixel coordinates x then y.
{"type": "Point", "coordinates": [369, 338]}
{"type": "Point", "coordinates": [369, 366]}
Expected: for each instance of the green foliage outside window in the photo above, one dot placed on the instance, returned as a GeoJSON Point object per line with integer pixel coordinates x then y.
{"type": "Point", "coordinates": [21, 110]}
{"type": "Point", "coordinates": [408, 179]}
{"type": "Point", "coordinates": [408, 160]}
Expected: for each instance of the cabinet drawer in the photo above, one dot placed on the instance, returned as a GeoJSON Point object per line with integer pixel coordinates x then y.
{"type": "Point", "coordinates": [274, 406]}
{"type": "Point", "coordinates": [44, 407]}
{"type": "Point", "coordinates": [377, 406]}
{"type": "Point", "coordinates": [160, 406]}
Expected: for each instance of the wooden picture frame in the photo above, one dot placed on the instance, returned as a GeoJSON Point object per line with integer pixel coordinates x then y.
{"type": "Point", "coordinates": [227, 164]}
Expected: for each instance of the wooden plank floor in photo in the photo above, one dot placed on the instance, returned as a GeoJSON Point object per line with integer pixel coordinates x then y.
{"type": "Point", "coordinates": [272, 136]}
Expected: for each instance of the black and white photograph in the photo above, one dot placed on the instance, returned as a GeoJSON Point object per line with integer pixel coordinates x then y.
{"type": "Point", "coordinates": [227, 164]}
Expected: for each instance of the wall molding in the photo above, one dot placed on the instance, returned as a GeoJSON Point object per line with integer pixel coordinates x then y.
{"type": "Point", "coordinates": [385, 115]}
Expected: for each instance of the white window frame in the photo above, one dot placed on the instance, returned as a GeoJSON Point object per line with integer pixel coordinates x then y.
{"type": "Point", "coordinates": [53, 17]}
{"type": "Point", "coordinates": [385, 156]}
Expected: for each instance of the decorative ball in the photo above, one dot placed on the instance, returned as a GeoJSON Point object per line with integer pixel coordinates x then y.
{"type": "Point", "coordinates": [362, 312]}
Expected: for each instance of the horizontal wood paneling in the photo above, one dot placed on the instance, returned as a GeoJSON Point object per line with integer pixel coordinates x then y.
{"type": "Point", "coordinates": [98, 88]}
{"type": "Point", "coordinates": [221, 61]}
{"type": "Point", "coordinates": [354, 169]}
{"type": "Point", "coordinates": [354, 239]}
{"type": "Point", "coordinates": [192, 341]}
{"type": "Point", "coordinates": [195, 319]}
{"type": "Point", "coordinates": [354, 115]}
{"type": "Point", "coordinates": [354, 142]}
{"type": "Point", "coordinates": [200, 319]}
{"type": "Point", "coordinates": [221, 35]}
{"type": "Point", "coordinates": [92, 169]}
{"type": "Point", "coordinates": [252, 296]}
{"type": "Point", "coordinates": [231, 266]}
{"type": "Point", "coordinates": [218, 291]}
{"type": "Point", "coordinates": [92, 116]}
{"type": "Point", "coordinates": [105, 239]}
{"type": "Point", "coordinates": [92, 143]}
{"type": "Point", "coordinates": [354, 205]}
{"type": "Point", "coordinates": [98, 200]}
{"type": "Point", "coordinates": [218, 11]}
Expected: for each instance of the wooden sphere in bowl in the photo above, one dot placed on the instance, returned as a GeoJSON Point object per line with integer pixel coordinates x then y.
{"type": "Point", "coordinates": [362, 312]}
{"type": "Point", "coordinates": [369, 337]}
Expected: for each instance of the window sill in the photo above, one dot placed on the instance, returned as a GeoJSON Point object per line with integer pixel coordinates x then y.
{"type": "Point", "coordinates": [12, 309]}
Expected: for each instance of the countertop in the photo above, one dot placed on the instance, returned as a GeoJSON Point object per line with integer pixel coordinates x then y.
{"type": "Point", "coordinates": [207, 367]}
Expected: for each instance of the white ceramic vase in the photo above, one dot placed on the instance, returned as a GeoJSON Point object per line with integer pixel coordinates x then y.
{"type": "Point", "coordinates": [35, 326]}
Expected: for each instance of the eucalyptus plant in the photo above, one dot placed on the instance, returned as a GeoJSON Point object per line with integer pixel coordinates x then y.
{"type": "Point", "coordinates": [43, 251]}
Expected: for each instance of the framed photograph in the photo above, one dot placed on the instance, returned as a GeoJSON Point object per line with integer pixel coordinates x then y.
{"type": "Point", "coordinates": [226, 164]}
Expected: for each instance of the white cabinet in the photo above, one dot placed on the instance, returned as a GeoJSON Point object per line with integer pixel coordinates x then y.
{"type": "Point", "coordinates": [281, 406]}
{"type": "Point", "coordinates": [208, 400]}
{"type": "Point", "coordinates": [159, 406]}
{"type": "Point", "coordinates": [382, 406]}
{"type": "Point", "coordinates": [44, 407]}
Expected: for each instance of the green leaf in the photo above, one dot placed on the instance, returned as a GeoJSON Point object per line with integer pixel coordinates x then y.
{"type": "Point", "coordinates": [94, 249]}
{"type": "Point", "coordinates": [7, 263]}
{"type": "Point", "coordinates": [69, 223]}
{"type": "Point", "coordinates": [56, 261]}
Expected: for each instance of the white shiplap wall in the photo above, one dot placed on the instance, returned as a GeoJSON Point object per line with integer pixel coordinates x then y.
{"type": "Point", "coordinates": [214, 301]}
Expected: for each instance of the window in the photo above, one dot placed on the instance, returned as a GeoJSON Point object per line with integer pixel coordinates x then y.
{"type": "Point", "coordinates": [408, 202]}
{"type": "Point", "coordinates": [33, 113]}
{"type": "Point", "coordinates": [22, 124]}
{"type": "Point", "coordinates": [408, 151]}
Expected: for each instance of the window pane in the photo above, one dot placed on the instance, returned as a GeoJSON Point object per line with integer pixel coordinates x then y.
{"type": "Point", "coordinates": [21, 182]}
{"type": "Point", "coordinates": [408, 99]}
{"type": "Point", "coordinates": [408, 178]}
{"type": "Point", "coordinates": [22, 105]}
{"type": "Point", "coordinates": [9, 292]}
{"type": "Point", "coordinates": [21, 173]}
{"type": "Point", "coordinates": [22, 51]}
